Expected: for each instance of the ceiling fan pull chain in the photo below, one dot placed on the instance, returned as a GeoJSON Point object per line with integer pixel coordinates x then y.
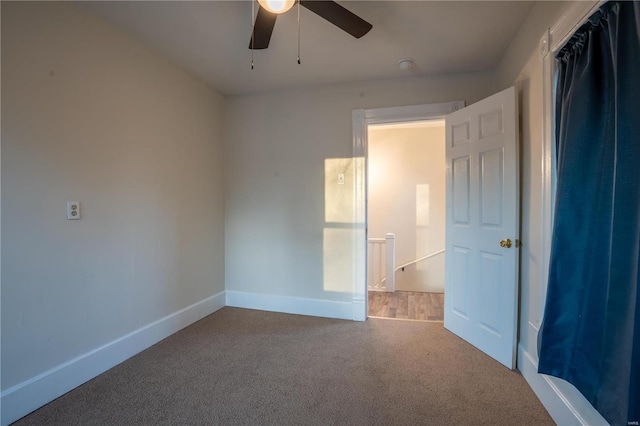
{"type": "Point", "coordinates": [298, 32]}
{"type": "Point", "coordinates": [253, 29]}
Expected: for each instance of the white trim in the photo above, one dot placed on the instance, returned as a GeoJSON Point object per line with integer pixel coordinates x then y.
{"type": "Point", "coordinates": [409, 125]}
{"type": "Point", "coordinates": [359, 309]}
{"type": "Point", "coordinates": [570, 21]}
{"type": "Point", "coordinates": [362, 118]}
{"type": "Point", "coordinates": [377, 240]}
{"type": "Point", "coordinates": [548, 171]}
{"type": "Point", "coordinates": [290, 305]}
{"type": "Point", "coordinates": [359, 243]}
{"type": "Point", "coordinates": [405, 319]}
{"type": "Point", "coordinates": [411, 113]}
{"type": "Point", "coordinates": [25, 397]}
{"type": "Point", "coordinates": [563, 402]}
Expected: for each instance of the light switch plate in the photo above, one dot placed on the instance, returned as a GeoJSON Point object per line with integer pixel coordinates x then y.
{"type": "Point", "coordinates": [73, 210]}
{"type": "Point", "coordinates": [341, 179]}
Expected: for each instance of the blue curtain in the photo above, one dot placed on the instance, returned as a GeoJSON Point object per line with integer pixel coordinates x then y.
{"type": "Point", "coordinates": [590, 335]}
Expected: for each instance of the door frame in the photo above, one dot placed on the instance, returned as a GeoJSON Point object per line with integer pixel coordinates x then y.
{"type": "Point", "coordinates": [362, 118]}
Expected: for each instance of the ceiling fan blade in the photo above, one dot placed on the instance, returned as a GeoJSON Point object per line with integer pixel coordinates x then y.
{"type": "Point", "coordinates": [338, 16]}
{"type": "Point", "coordinates": [262, 29]}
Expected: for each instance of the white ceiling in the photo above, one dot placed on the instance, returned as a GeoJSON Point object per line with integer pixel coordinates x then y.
{"type": "Point", "coordinates": [210, 39]}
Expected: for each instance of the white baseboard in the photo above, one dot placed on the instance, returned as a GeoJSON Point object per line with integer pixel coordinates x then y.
{"type": "Point", "coordinates": [290, 305]}
{"type": "Point", "coordinates": [566, 405]}
{"type": "Point", "coordinates": [359, 309]}
{"type": "Point", "coordinates": [25, 397]}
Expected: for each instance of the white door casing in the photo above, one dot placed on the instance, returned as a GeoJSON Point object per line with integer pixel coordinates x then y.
{"type": "Point", "coordinates": [361, 120]}
{"type": "Point", "coordinates": [481, 276]}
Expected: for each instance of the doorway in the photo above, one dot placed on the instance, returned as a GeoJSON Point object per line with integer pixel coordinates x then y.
{"type": "Point", "coordinates": [481, 224]}
{"type": "Point", "coordinates": [406, 202]}
{"type": "Point", "coordinates": [362, 119]}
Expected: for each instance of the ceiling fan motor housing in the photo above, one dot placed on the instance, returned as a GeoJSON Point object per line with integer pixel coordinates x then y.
{"type": "Point", "coordinates": [329, 10]}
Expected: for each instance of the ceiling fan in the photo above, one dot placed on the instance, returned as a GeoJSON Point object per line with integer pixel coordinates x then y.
{"type": "Point", "coordinates": [269, 10]}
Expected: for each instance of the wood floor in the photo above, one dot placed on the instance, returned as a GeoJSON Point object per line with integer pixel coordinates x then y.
{"type": "Point", "coordinates": [407, 305]}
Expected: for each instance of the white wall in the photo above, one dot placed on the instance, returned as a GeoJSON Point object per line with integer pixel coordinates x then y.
{"type": "Point", "coordinates": [89, 115]}
{"type": "Point", "coordinates": [278, 240]}
{"type": "Point", "coordinates": [406, 196]}
{"type": "Point", "coordinates": [522, 66]}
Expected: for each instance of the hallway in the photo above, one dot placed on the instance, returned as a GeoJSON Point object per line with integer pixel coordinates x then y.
{"type": "Point", "coordinates": [407, 305]}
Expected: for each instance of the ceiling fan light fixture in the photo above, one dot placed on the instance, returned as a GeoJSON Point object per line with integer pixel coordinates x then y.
{"type": "Point", "coordinates": [277, 6]}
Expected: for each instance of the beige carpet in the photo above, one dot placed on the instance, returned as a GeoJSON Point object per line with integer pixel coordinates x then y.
{"type": "Point", "coordinates": [252, 367]}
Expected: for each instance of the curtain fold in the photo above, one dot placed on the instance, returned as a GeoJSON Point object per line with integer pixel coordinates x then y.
{"type": "Point", "coordinates": [590, 335]}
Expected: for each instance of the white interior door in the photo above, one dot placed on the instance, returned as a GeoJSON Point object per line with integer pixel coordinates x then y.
{"type": "Point", "coordinates": [481, 272]}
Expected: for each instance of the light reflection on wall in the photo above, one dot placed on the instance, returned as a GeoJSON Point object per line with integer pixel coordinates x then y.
{"type": "Point", "coordinates": [428, 240]}
{"type": "Point", "coordinates": [341, 222]}
{"type": "Point", "coordinates": [422, 223]}
{"type": "Point", "coordinates": [422, 204]}
{"type": "Point", "coordinates": [338, 197]}
{"type": "Point", "coordinates": [375, 172]}
{"type": "Point", "coordinates": [338, 261]}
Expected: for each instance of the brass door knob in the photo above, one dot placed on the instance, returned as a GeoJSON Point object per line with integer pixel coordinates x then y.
{"type": "Point", "coordinates": [505, 243]}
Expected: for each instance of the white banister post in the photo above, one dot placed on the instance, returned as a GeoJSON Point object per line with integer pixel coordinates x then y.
{"type": "Point", "coordinates": [390, 245]}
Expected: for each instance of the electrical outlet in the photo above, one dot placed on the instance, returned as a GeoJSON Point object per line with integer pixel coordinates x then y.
{"type": "Point", "coordinates": [73, 210]}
